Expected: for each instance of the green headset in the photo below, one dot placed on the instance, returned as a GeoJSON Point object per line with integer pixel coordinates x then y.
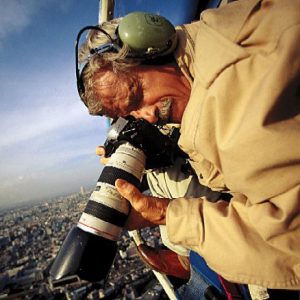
{"type": "Point", "coordinates": [148, 37]}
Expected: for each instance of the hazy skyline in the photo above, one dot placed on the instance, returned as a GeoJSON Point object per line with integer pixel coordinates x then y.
{"type": "Point", "coordinates": [47, 139]}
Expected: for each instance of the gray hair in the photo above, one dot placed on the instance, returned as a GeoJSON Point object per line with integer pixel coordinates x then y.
{"type": "Point", "coordinates": [94, 62]}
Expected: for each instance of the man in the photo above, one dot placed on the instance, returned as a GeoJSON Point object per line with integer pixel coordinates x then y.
{"type": "Point", "coordinates": [235, 91]}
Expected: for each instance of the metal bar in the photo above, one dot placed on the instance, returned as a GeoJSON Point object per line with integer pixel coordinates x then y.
{"type": "Point", "coordinates": [162, 278]}
{"type": "Point", "coordinates": [166, 284]}
{"type": "Point", "coordinates": [106, 10]}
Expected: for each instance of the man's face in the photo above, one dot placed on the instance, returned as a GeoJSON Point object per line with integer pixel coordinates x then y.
{"type": "Point", "coordinates": [156, 94]}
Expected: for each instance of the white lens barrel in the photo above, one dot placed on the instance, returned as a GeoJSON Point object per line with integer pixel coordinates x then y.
{"type": "Point", "coordinates": [106, 212]}
{"type": "Point", "coordinates": [130, 159]}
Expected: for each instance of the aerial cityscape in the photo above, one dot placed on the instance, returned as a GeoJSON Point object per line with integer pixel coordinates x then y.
{"type": "Point", "coordinates": [30, 238]}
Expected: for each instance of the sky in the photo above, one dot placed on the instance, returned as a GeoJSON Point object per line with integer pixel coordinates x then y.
{"type": "Point", "coordinates": [47, 138]}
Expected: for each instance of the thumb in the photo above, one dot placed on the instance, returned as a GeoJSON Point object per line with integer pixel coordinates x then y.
{"type": "Point", "coordinates": [151, 208]}
{"type": "Point", "coordinates": [131, 193]}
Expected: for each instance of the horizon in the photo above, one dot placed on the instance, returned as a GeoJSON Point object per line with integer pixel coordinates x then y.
{"type": "Point", "coordinates": [40, 201]}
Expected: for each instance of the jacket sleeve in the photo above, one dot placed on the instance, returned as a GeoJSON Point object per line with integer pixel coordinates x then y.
{"type": "Point", "coordinates": [249, 127]}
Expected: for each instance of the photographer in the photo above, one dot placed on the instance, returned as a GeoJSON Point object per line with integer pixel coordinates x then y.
{"type": "Point", "coordinates": [234, 88]}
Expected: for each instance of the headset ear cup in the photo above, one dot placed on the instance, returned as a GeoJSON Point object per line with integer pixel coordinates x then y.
{"type": "Point", "coordinates": [147, 35]}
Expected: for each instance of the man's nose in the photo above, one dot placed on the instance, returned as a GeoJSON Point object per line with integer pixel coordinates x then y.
{"type": "Point", "coordinates": [149, 113]}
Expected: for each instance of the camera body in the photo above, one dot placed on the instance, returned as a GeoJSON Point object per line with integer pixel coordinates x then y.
{"type": "Point", "coordinates": [161, 149]}
{"type": "Point", "coordinates": [90, 247]}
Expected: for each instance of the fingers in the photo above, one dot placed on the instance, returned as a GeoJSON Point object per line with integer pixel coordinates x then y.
{"type": "Point", "coordinates": [152, 209]}
{"type": "Point", "coordinates": [101, 152]}
{"type": "Point", "coordinates": [136, 221]}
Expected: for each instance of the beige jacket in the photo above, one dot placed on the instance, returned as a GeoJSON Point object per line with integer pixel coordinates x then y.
{"type": "Point", "coordinates": [241, 129]}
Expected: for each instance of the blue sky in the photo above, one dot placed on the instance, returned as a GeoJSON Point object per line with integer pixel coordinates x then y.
{"type": "Point", "coordinates": [47, 138]}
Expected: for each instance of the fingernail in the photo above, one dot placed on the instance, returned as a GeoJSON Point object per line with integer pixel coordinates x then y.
{"type": "Point", "coordinates": [120, 183]}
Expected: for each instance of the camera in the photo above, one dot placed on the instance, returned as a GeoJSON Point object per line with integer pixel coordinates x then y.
{"type": "Point", "coordinates": [90, 247]}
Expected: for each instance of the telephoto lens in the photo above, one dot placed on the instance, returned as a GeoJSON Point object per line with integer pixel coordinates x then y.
{"type": "Point", "coordinates": [90, 247]}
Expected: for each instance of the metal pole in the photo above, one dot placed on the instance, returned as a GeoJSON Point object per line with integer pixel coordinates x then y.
{"type": "Point", "coordinates": [162, 278]}
{"type": "Point", "coordinates": [106, 10]}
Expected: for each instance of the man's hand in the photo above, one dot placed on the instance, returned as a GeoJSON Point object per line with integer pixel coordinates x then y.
{"type": "Point", "coordinates": [151, 209]}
